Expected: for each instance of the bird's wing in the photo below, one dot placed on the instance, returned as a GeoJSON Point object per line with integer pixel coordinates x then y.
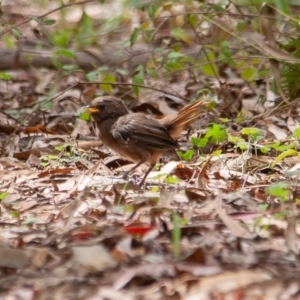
{"type": "Point", "coordinates": [143, 132]}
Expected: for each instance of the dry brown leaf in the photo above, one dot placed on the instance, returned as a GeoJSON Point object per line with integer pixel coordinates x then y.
{"type": "Point", "coordinates": [235, 228]}
{"type": "Point", "coordinates": [292, 239]}
{"type": "Point", "coordinates": [222, 284]}
{"type": "Point", "coordinates": [91, 259]}
{"type": "Point", "coordinates": [258, 39]}
{"type": "Point", "coordinates": [14, 258]}
{"type": "Point", "coordinates": [155, 271]}
{"type": "Point", "coordinates": [279, 133]}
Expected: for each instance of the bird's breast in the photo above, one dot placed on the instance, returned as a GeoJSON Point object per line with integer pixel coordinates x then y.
{"type": "Point", "coordinates": [125, 151]}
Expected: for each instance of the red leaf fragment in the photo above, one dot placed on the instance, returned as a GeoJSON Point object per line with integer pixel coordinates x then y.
{"type": "Point", "coordinates": [38, 128]}
{"type": "Point", "coordinates": [138, 229]}
{"type": "Point", "coordinates": [81, 235]}
{"type": "Point", "coordinates": [56, 172]}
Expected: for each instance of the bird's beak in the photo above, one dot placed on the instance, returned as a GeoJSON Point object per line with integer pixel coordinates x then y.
{"type": "Point", "coordinates": [91, 110]}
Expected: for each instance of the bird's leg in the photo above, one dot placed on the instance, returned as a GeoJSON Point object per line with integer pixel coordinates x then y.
{"type": "Point", "coordinates": [137, 165]}
{"type": "Point", "coordinates": [134, 167]}
{"type": "Point", "coordinates": [146, 174]}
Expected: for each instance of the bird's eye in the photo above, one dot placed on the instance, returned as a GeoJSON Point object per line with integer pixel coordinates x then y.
{"type": "Point", "coordinates": [101, 106]}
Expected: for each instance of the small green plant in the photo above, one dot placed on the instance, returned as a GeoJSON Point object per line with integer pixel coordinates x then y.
{"type": "Point", "coordinates": [45, 101]}
{"type": "Point", "coordinates": [199, 143]}
{"type": "Point", "coordinates": [3, 195]}
{"type": "Point", "coordinates": [254, 134]}
{"type": "Point", "coordinates": [45, 159]}
{"type": "Point", "coordinates": [171, 179]}
{"type": "Point", "coordinates": [29, 221]}
{"type": "Point", "coordinates": [187, 155]}
{"type": "Point", "coordinates": [65, 156]}
{"type": "Point", "coordinates": [279, 190]}
{"type": "Point", "coordinates": [15, 214]}
{"type": "Point", "coordinates": [60, 38]}
{"type": "Point", "coordinates": [176, 61]}
{"type": "Point", "coordinates": [284, 154]}
{"type": "Point", "coordinates": [104, 76]}
{"type": "Point", "coordinates": [176, 234]}
{"type": "Point", "coordinates": [296, 132]}
{"type": "Point", "coordinates": [4, 76]}
{"type": "Point", "coordinates": [138, 79]}
{"type": "Point", "coordinates": [155, 189]}
{"type": "Point", "coordinates": [216, 134]}
{"type": "Point", "coordinates": [239, 142]}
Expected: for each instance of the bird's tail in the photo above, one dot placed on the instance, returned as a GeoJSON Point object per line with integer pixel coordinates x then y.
{"type": "Point", "coordinates": [185, 117]}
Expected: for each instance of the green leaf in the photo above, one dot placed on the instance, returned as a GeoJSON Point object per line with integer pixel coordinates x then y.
{"type": "Point", "coordinates": [148, 34]}
{"type": "Point", "coordinates": [15, 214]}
{"type": "Point", "coordinates": [180, 35]}
{"type": "Point", "coordinates": [5, 76]}
{"type": "Point", "coordinates": [155, 189]}
{"type": "Point", "coordinates": [107, 88]}
{"type": "Point", "coordinates": [70, 68]}
{"type": "Point", "coordinates": [168, 5]}
{"type": "Point", "coordinates": [138, 79]}
{"type": "Point", "coordinates": [276, 146]}
{"type": "Point", "coordinates": [187, 156]}
{"type": "Point", "coordinates": [280, 157]}
{"type": "Point", "coordinates": [34, 18]}
{"type": "Point", "coordinates": [92, 76]}
{"type": "Point", "coordinates": [60, 38]}
{"type": "Point", "coordinates": [283, 6]}
{"type": "Point", "coordinates": [249, 73]}
{"type": "Point", "coordinates": [16, 33]}
{"type": "Point", "coordinates": [65, 53]}
{"type": "Point", "coordinates": [216, 133]}
{"type": "Point", "coordinates": [48, 22]}
{"type": "Point", "coordinates": [9, 41]}
{"type": "Point", "coordinates": [171, 179]}
{"type": "Point", "coordinates": [139, 68]}
{"type": "Point", "coordinates": [52, 157]}
{"type": "Point", "coordinates": [263, 207]}
{"type": "Point", "coordinates": [242, 25]}
{"type": "Point", "coordinates": [176, 234]}
{"type": "Point", "coordinates": [226, 54]}
{"type": "Point", "coordinates": [200, 143]}
{"type": "Point", "coordinates": [151, 11]}
{"type": "Point", "coordinates": [121, 71]}
{"type": "Point", "coordinates": [225, 120]}
{"type": "Point", "coordinates": [85, 116]}
{"type": "Point", "coordinates": [144, 25]}
{"type": "Point", "coordinates": [296, 132]}
{"type": "Point", "coordinates": [242, 146]}
{"type": "Point", "coordinates": [177, 33]}
{"type": "Point", "coordinates": [152, 72]}
{"type": "Point", "coordinates": [235, 139]}
{"type": "Point", "coordinates": [279, 190]}
{"type": "Point", "coordinates": [253, 133]}
{"type": "Point", "coordinates": [3, 195]}
{"type": "Point", "coordinates": [264, 150]}
{"type": "Point", "coordinates": [193, 19]}
{"type": "Point", "coordinates": [177, 55]}
{"type": "Point", "coordinates": [217, 153]}
{"type": "Point", "coordinates": [210, 68]}
{"type": "Point", "coordinates": [56, 63]}
{"type": "Point", "coordinates": [28, 221]}
{"type": "Point", "coordinates": [134, 36]}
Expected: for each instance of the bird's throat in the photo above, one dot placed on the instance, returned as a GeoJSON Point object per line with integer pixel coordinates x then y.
{"type": "Point", "coordinates": [109, 117]}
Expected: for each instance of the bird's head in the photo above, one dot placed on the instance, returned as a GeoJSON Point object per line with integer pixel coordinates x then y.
{"type": "Point", "coordinates": [106, 107]}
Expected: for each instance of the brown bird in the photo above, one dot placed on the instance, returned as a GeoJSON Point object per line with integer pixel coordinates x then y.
{"type": "Point", "coordinates": [138, 137]}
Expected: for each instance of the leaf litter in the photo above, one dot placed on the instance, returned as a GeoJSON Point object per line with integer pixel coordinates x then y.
{"type": "Point", "coordinates": [73, 229]}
